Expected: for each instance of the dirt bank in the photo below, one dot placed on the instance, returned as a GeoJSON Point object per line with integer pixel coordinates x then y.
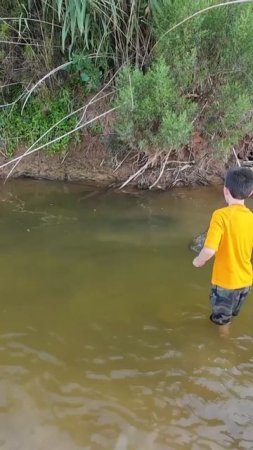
{"type": "Point", "coordinates": [96, 160]}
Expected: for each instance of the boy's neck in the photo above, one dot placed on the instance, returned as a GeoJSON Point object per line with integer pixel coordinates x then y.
{"type": "Point", "coordinates": [230, 200]}
{"type": "Point", "coordinates": [234, 201]}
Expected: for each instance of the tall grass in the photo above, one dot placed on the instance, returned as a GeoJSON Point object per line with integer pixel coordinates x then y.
{"type": "Point", "coordinates": [117, 28]}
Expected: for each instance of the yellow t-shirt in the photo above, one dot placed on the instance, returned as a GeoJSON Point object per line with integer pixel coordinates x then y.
{"type": "Point", "coordinates": [230, 234]}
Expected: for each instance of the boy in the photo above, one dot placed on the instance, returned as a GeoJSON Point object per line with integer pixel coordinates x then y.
{"type": "Point", "coordinates": [230, 239]}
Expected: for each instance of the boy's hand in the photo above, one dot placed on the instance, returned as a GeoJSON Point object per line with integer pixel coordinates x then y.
{"type": "Point", "coordinates": [203, 257]}
{"type": "Point", "coordinates": [197, 262]}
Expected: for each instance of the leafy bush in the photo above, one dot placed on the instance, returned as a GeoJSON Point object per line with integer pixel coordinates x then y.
{"type": "Point", "coordinates": [39, 115]}
{"type": "Point", "coordinates": [89, 72]}
{"type": "Point", "coordinates": [152, 114]}
{"type": "Point", "coordinates": [230, 117]}
{"type": "Point", "coordinates": [210, 59]}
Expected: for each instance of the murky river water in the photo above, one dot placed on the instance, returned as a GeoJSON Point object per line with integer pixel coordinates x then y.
{"type": "Point", "coordinates": [105, 341]}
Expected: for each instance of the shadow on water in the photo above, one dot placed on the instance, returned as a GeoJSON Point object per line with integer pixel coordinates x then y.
{"type": "Point", "coordinates": [105, 341]}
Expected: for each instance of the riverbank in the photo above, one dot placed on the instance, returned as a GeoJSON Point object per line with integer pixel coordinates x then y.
{"type": "Point", "coordinates": [94, 160]}
{"type": "Point", "coordinates": [166, 86]}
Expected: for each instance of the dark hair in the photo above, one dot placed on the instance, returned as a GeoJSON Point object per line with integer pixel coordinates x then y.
{"type": "Point", "coordinates": [239, 182]}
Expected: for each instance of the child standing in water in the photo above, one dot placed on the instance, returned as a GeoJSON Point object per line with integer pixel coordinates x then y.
{"type": "Point", "coordinates": [230, 240]}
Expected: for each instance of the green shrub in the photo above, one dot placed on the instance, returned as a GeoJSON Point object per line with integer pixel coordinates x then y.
{"type": "Point", "coordinates": [211, 59]}
{"type": "Point", "coordinates": [230, 117]}
{"type": "Point", "coordinates": [39, 115]}
{"type": "Point", "coordinates": [152, 114]}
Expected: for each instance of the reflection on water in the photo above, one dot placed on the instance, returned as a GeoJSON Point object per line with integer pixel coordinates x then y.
{"type": "Point", "coordinates": [105, 341]}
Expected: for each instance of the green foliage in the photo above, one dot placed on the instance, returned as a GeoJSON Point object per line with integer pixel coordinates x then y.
{"type": "Point", "coordinates": [4, 30]}
{"type": "Point", "coordinates": [201, 69]}
{"type": "Point", "coordinates": [39, 115]}
{"type": "Point", "coordinates": [152, 113]}
{"type": "Point", "coordinates": [29, 46]}
{"type": "Point", "coordinates": [117, 29]}
{"type": "Point", "coordinates": [96, 128]}
{"type": "Point", "coordinates": [176, 128]}
{"type": "Point", "coordinates": [230, 116]}
{"type": "Point", "coordinates": [210, 59]}
{"type": "Point", "coordinates": [89, 72]}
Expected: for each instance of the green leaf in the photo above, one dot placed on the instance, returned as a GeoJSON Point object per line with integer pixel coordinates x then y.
{"type": "Point", "coordinates": [84, 76]}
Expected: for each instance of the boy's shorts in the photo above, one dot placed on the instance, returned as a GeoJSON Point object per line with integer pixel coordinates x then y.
{"type": "Point", "coordinates": [226, 303]}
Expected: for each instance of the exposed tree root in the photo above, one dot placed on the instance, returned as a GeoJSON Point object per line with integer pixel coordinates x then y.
{"type": "Point", "coordinates": [161, 163]}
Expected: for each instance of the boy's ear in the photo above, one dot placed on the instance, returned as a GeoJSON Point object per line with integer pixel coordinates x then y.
{"type": "Point", "coordinates": [225, 190]}
{"type": "Point", "coordinates": [226, 193]}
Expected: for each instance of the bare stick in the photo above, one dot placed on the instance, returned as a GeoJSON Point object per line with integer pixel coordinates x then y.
{"type": "Point", "coordinates": [131, 91]}
{"type": "Point", "coordinates": [10, 84]}
{"type": "Point", "coordinates": [15, 101]}
{"type": "Point", "coordinates": [135, 175]}
{"type": "Point", "coordinates": [121, 162]}
{"type": "Point", "coordinates": [236, 157]}
{"type": "Point", "coordinates": [138, 173]}
{"type": "Point", "coordinates": [95, 96]}
{"type": "Point", "coordinates": [29, 19]}
{"type": "Point", "coordinates": [52, 72]}
{"type": "Point", "coordinates": [60, 137]}
{"type": "Point", "coordinates": [182, 162]}
{"type": "Point", "coordinates": [162, 170]}
{"type": "Point", "coordinates": [25, 43]}
{"type": "Point", "coordinates": [219, 5]}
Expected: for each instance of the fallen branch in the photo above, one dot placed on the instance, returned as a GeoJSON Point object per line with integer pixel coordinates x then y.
{"type": "Point", "coordinates": [161, 171]}
{"type": "Point", "coordinates": [52, 72]}
{"type": "Point", "coordinates": [121, 162]}
{"type": "Point", "coordinates": [236, 157]}
{"type": "Point", "coordinates": [138, 173]}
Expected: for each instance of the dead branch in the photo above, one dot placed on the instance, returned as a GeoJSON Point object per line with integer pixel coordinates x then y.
{"type": "Point", "coordinates": [121, 162]}
{"type": "Point", "coordinates": [139, 172]}
{"type": "Point", "coordinates": [98, 93]}
{"type": "Point", "coordinates": [52, 72]}
{"type": "Point", "coordinates": [236, 157]}
{"type": "Point", "coordinates": [161, 171]}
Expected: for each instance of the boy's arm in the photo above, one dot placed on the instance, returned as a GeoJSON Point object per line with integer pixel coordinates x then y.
{"type": "Point", "coordinates": [204, 256]}
{"type": "Point", "coordinates": [212, 241]}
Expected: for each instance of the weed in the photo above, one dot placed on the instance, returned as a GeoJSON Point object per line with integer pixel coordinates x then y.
{"type": "Point", "coordinates": [152, 113]}
{"type": "Point", "coordinates": [39, 115]}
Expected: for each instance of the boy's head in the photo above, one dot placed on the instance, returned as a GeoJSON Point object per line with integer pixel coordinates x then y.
{"type": "Point", "coordinates": [239, 182]}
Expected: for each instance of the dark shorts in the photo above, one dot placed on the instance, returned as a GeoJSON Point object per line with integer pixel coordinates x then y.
{"type": "Point", "coordinates": [226, 303]}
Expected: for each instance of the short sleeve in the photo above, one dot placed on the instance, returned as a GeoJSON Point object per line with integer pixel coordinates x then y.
{"type": "Point", "coordinates": [215, 232]}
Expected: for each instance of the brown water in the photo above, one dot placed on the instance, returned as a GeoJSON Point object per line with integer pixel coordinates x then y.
{"type": "Point", "coordinates": [105, 341]}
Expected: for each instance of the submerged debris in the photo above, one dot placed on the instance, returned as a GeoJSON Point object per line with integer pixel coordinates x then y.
{"type": "Point", "coordinates": [198, 242]}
